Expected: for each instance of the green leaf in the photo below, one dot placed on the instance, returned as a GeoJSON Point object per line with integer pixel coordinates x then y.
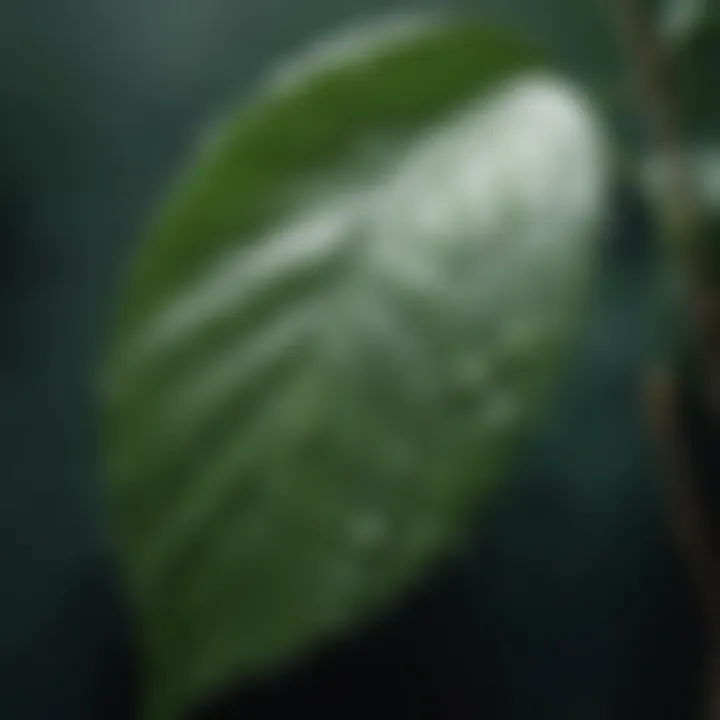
{"type": "Point", "coordinates": [334, 337]}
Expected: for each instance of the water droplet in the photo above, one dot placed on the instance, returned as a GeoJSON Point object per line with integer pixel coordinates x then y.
{"type": "Point", "coordinates": [369, 530]}
{"type": "Point", "coordinates": [472, 373]}
{"type": "Point", "coordinates": [401, 461]}
{"type": "Point", "coordinates": [520, 336]}
{"type": "Point", "coordinates": [501, 411]}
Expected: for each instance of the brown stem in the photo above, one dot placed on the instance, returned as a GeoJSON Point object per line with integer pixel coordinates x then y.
{"type": "Point", "coordinates": [657, 98]}
{"type": "Point", "coordinates": [681, 202]}
{"type": "Point", "coordinates": [685, 214]}
{"type": "Point", "coordinates": [688, 518]}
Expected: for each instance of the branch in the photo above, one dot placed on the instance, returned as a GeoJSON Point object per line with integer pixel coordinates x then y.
{"type": "Point", "coordinates": [657, 98]}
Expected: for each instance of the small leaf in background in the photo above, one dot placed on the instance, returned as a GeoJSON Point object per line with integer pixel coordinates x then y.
{"type": "Point", "coordinates": [345, 317]}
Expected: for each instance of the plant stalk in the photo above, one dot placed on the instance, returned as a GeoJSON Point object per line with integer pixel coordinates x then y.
{"type": "Point", "coordinates": [681, 203]}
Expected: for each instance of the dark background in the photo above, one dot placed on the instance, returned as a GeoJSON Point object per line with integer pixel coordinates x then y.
{"type": "Point", "coordinates": [567, 601]}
